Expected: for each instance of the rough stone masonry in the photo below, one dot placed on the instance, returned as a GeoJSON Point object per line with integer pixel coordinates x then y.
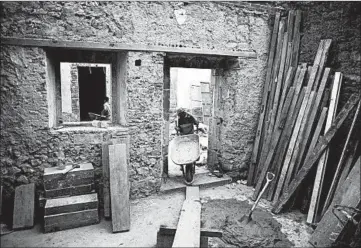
{"type": "Point", "coordinates": [28, 145]}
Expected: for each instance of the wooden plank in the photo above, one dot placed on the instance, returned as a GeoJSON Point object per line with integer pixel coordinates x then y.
{"type": "Point", "coordinates": [329, 228]}
{"type": "Point", "coordinates": [24, 206]}
{"type": "Point", "coordinates": [290, 148]}
{"type": "Point", "coordinates": [106, 186]}
{"type": "Point", "coordinates": [281, 150]}
{"type": "Point", "coordinates": [316, 153]}
{"type": "Point", "coordinates": [276, 100]}
{"type": "Point", "coordinates": [57, 222]}
{"type": "Point", "coordinates": [189, 224]}
{"type": "Point", "coordinates": [296, 39]}
{"type": "Point", "coordinates": [1, 199]}
{"type": "Point", "coordinates": [287, 122]}
{"type": "Point", "coordinates": [271, 92]}
{"type": "Point", "coordinates": [81, 45]}
{"type": "Point", "coordinates": [293, 167]}
{"type": "Point", "coordinates": [257, 145]}
{"type": "Point", "coordinates": [273, 146]}
{"type": "Point", "coordinates": [167, 230]}
{"type": "Point", "coordinates": [274, 96]}
{"type": "Point", "coordinates": [324, 56]}
{"type": "Point", "coordinates": [314, 111]}
{"type": "Point", "coordinates": [348, 167]}
{"type": "Point", "coordinates": [119, 188]}
{"type": "Point", "coordinates": [340, 163]}
{"type": "Point", "coordinates": [266, 138]}
{"type": "Point", "coordinates": [290, 24]}
{"type": "Point", "coordinates": [71, 204]}
{"type": "Point", "coordinates": [164, 240]}
{"type": "Point", "coordinates": [288, 83]}
{"type": "Point", "coordinates": [317, 132]}
{"type": "Point", "coordinates": [321, 168]}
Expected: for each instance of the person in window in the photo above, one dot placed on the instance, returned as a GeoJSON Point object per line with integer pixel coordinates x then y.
{"type": "Point", "coordinates": [185, 122]}
{"type": "Point", "coordinates": [106, 109]}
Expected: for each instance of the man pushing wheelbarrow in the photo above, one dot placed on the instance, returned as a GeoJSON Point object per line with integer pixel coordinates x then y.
{"type": "Point", "coordinates": [185, 150]}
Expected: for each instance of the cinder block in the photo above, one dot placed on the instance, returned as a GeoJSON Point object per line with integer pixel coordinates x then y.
{"type": "Point", "coordinates": [71, 191]}
{"type": "Point", "coordinates": [57, 222]}
{"type": "Point", "coordinates": [71, 204]}
{"type": "Point", "coordinates": [54, 178]}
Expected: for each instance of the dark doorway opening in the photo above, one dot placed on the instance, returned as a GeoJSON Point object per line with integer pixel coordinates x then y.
{"type": "Point", "coordinates": [91, 91]}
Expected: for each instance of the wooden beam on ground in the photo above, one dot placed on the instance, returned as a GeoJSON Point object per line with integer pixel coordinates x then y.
{"type": "Point", "coordinates": [321, 168]}
{"type": "Point", "coordinates": [24, 206]}
{"type": "Point", "coordinates": [119, 187]}
{"type": "Point", "coordinates": [120, 47]}
{"type": "Point", "coordinates": [257, 142]}
{"type": "Point", "coordinates": [340, 163]}
{"type": "Point", "coordinates": [322, 144]}
{"type": "Point", "coordinates": [189, 224]}
{"type": "Point", "coordinates": [273, 147]}
{"type": "Point", "coordinates": [329, 228]}
{"type": "Point", "coordinates": [166, 230]}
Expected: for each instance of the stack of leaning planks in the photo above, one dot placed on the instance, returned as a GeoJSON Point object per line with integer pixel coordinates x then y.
{"type": "Point", "coordinates": [297, 119]}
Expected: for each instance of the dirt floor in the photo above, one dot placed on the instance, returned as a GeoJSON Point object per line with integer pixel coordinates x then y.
{"type": "Point", "coordinates": [222, 207]}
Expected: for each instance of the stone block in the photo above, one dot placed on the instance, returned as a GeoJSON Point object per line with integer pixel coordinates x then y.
{"type": "Point", "coordinates": [71, 191]}
{"type": "Point", "coordinates": [57, 222]}
{"type": "Point", "coordinates": [71, 204]}
{"type": "Point", "coordinates": [88, 138]}
{"type": "Point", "coordinates": [55, 179]}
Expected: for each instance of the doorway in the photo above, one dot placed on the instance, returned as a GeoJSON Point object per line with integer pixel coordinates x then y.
{"type": "Point", "coordinates": [190, 89]}
{"type": "Point", "coordinates": [92, 91]}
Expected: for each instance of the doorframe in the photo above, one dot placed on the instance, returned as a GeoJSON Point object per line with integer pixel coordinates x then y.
{"type": "Point", "coordinates": [217, 64]}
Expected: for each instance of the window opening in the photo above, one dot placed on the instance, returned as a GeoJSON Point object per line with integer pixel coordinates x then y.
{"type": "Point", "coordinates": [92, 91]}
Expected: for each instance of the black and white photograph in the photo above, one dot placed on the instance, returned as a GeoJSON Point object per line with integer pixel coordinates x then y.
{"type": "Point", "coordinates": [173, 124]}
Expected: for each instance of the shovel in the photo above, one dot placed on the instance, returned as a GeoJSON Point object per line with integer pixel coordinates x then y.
{"type": "Point", "coordinates": [248, 217]}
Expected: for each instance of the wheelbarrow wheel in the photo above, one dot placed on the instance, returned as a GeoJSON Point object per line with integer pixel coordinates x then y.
{"type": "Point", "coordinates": [189, 174]}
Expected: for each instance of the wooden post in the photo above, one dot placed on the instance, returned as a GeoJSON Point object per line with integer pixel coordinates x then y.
{"type": "Point", "coordinates": [119, 188]}
{"type": "Point", "coordinates": [317, 152]}
{"type": "Point", "coordinates": [316, 193]}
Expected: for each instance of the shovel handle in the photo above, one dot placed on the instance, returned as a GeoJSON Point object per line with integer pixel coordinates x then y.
{"type": "Point", "coordinates": [270, 176]}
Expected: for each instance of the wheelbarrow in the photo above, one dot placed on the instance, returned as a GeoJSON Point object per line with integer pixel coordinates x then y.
{"type": "Point", "coordinates": [185, 151]}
